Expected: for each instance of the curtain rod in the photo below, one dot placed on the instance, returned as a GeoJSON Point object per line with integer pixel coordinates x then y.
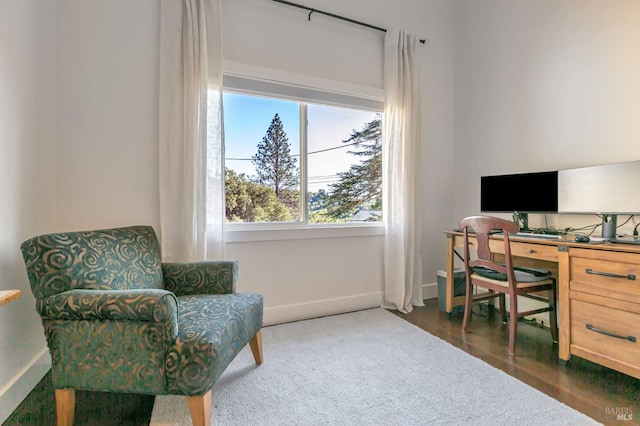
{"type": "Point", "coordinates": [332, 15]}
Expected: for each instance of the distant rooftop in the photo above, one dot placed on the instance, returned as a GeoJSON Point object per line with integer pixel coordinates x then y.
{"type": "Point", "coordinates": [367, 216]}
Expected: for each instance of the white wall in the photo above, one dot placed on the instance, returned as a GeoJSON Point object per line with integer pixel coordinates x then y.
{"type": "Point", "coordinates": [543, 85]}
{"type": "Point", "coordinates": [307, 278]}
{"type": "Point", "coordinates": [107, 129]}
{"type": "Point", "coordinates": [276, 36]}
{"type": "Point", "coordinates": [27, 182]}
{"type": "Point", "coordinates": [107, 113]}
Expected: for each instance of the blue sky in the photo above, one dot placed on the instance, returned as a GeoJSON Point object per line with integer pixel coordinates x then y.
{"type": "Point", "coordinates": [247, 118]}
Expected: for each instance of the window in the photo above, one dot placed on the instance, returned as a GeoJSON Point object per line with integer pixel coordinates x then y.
{"type": "Point", "coordinates": [293, 161]}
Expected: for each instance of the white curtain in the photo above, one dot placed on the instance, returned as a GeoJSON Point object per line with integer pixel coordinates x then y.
{"type": "Point", "coordinates": [401, 183]}
{"type": "Point", "coordinates": [190, 133]}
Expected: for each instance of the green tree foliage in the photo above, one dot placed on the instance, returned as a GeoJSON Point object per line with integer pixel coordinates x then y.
{"type": "Point", "coordinates": [275, 166]}
{"type": "Point", "coordinates": [318, 208]}
{"type": "Point", "coordinates": [291, 199]}
{"type": "Point", "coordinates": [248, 201]}
{"type": "Point", "coordinates": [318, 200]}
{"type": "Point", "coordinates": [360, 187]}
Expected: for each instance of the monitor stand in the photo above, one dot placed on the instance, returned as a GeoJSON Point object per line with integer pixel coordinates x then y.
{"type": "Point", "coordinates": [609, 224]}
{"type": "Point", "coordinates": [522, 220]}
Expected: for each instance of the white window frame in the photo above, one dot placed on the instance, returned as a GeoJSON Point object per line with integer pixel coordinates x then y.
{"type": "Point", "coordinates": [248, 80]}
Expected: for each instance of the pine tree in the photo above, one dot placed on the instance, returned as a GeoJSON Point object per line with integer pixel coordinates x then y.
{"type": "Point", "coordinates": [360, 186]}
{"type": "Point", "coordinates": [275, 166]}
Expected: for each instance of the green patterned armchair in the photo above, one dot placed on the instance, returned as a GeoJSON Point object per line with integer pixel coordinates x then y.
{"type": "Point", "coordinates": [117, 319]}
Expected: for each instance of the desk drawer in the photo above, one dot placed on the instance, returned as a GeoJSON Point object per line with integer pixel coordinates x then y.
{"type": "Point", "coordinates": [590, 322]}
{"type": "Point", "coordinates": [616, 280]}
{"type": "Point", "coordinates": [535, 251]}
{"type": "Point", "coordinates": [530, 250]}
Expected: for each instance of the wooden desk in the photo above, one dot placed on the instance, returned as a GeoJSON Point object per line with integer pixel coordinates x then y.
{"type": "Point", "coordinates": [7, 296]}
{"type": "Point", "coordinates": [598, 294]}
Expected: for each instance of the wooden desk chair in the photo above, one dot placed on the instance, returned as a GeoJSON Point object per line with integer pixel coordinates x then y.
{"type": "Point", "coordinates": [503, 279]}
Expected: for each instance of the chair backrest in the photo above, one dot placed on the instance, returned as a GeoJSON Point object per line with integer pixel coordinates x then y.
{"type": "Point", "coordinates": [483, 227]}
{"type": "Point", "coordinates": [108, 259]}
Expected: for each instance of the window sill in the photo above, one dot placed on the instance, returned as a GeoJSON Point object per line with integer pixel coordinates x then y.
{"type": "Point", "coordinates": [239, 235]}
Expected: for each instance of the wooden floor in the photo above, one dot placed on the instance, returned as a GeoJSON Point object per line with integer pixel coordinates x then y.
{"type": "Point", "coordinates": [585, 386]}
{"type": "Point", "coordinates": [92, 408]}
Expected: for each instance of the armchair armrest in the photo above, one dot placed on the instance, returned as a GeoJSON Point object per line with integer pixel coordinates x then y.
{"type": "Point", "coordinates": [144, 305]}
{"type": "Point", "coordinates": [209, 277]}
{"type": "Point", "coordinates": [114, 340]}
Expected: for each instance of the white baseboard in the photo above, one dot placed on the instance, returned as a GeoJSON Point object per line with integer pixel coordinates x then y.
{"type": "Point", "coordinates": [319, 308]}
{"type": "Point", "coordinates": [24, 382]}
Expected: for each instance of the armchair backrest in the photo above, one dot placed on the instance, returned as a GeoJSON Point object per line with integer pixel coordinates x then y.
{"type": "Point", "coordinates": [108, 259]}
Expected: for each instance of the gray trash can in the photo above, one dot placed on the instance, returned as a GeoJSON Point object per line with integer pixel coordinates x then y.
{"type": "Point", "coordinates": [459, 289]}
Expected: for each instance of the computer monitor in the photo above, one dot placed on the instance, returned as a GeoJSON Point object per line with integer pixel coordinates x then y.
{"type": "Point", "coordinates": [607, 190]}
{"type": "Point", "coordinates": [520, 194]}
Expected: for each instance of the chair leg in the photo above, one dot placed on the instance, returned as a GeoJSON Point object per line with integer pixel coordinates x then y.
{"type": "Point", "coordinates": [256, 347]}
{"type": "Point", "coordinates": [468, 304]}
{"type": "Point", "coordinates": [513, 322]}
{"type": "Point", "coordinates": [490, 305]}
{"type": "Point", "coordinates": [553, 314]}
{"type": "Point", "coordinates": [503, 308]}
{"type": "Point", "coordinates": [65, 406]}
{"type": "Point", "coordinates": [200, 408]}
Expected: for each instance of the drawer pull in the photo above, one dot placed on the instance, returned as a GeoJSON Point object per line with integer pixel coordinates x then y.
{"type": "Point", "coordinates": [608, 333]}
{"type": "Point", "coordinates": [631, 277]}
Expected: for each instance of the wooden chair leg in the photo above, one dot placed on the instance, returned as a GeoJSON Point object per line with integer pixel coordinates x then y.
{"type": "Point", "coordinates": [553, 314]}
{"type": "Point", "coordinates": [513, 322]}
{"type": "Point", "coordinates": [200, 408]}
{"type": "Point", "coordinates": [65, 406]}
{"type": "Point", "coordinates": [503, 308]}
{"type": "Point", "coordinates": [468, 304]}
{"type": "Point", "coordinates": [490, 305]}
{"type": "Point", "coordinates": [256, 347]}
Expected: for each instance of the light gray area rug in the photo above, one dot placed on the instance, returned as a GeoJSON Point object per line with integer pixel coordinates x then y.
{"type": "Point", "coordinates": [367, 368]}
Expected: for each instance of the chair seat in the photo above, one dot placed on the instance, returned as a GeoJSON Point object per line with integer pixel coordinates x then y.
{"type": "Point", "coordinates": [519, 284]}
{"type": "Point", "coordinates": [521, 274]}
{"type": "Point", "coordinates": [212, 329]}
{"type": "Point", "coordinates": [524, 277]}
